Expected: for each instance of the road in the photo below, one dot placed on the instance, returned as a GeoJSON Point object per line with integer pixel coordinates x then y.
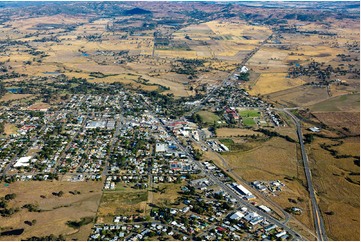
{"type": "Point", "coordinates": [119, 123]}
{"type": "Point", "coordinates": [317, 217]}
{"type": "Point", "coordinates": [245, 60]}
{"type": "Point", "coordinates": [287, 216]}
{"type": "Point", "coordinates": [225, 188]}
{"type": "Point", "coordinates": [33, 139]}
{"type": "Point", "coordinates": [255, 191]}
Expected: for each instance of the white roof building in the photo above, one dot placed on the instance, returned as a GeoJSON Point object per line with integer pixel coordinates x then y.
{"type": "Point", "coordinates": [264, 208]}
{"type": "Point", "coordinates": [23, 161]}
{"type": "Point", "coordinates": [237, 215]}
{"type": "Point", "coordinates": [159, 147]}
{"type": "Point", "coordinates": [244, 69]}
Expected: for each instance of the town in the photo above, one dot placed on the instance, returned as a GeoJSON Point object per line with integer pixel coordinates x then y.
{"type": "Point", "coordinates": [120, 141]}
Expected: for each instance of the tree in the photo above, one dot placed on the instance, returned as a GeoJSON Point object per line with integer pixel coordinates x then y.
{"type": "Point", "coordinates": [10, 196]}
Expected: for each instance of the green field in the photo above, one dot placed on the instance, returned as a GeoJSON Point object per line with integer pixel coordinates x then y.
{"type": "Point", "coordinates": [344, 103]}
{"type": "Point", "coordinates": [249, 113]}
{"type": "Point", "coordinates": [248, 121]}
{"type": "Point", "coordinates": [208, 117]}
{"type": "Point", "coordinates": [125, 197]}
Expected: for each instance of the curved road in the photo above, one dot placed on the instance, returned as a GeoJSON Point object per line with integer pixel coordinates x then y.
{"type": "Point", "coordinates": [317, 217]}
{"type": "Point", "coordinates": [245, 183]}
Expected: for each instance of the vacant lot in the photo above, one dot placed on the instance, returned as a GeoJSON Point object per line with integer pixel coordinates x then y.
{"type": "Point", "coordinates": [274, 82]}
{"type": "Point", "coordinates": [166, 194]}
{"type": "Point", "coordinates": [337, 183]}
{"type": "Point", "coordinates": [230, 132]}
{"type": "Point", "coordinates": [276, 159]}
{"type": "Point", "coordinates": [10, 129]}
{"type": "Point", "coordinates": [347, 122]}
{"type": "Point", "coordinates": [208, 117]}
{"type": "Point", "coordinates": [122, 201]}
{"type": "Point", "coordinates": [55, 211]}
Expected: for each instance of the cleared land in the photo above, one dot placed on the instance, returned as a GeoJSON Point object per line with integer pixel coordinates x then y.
{"type": "Point", "coordinates": [275, 159]}
{"type": "Point", "coordinates": [208, 117]}
{"type": "Point", "coordinates": [273, 82]}
{"type": "Point", "coordinates": [344, 103]}
{"type": "Point", "coordinates": [337, 182]}
{"type": "Point", "coordinates": [55, 211]}
{"type": "Point", "coordinates": [231, 132]}
{"type": "Point", "coordinates": [122, 201]}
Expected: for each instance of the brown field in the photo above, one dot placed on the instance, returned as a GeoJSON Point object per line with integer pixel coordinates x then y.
{"type": "Point", "coordinates": [230, 132]}
{"type": "Point", "coordinates": [343, 103]}
{"type": "Point", "coordinates": [274, 160]}
{"type": "Point", "coordinates": [56, 210]}
{"type": "Point", "coordinates": [302, 96]}
{"type": "Point", "coordinates": [38, 106]}
{"type": "Point", "coordinates": [10, 129]}
{"type": "Point", "coordinates": [122, 201]}
{"type": "Point", "coordinates": [340, 120]}
{"type": "Point", "coordinates": [273, 82]}
{"type": "Point", "coordinates": [351, 146]}
{"type": "Point", "coordinates": [11, 96]}
{"type": "Point", "coordinates": [335, 192]}
{"type": "Point", "coordinates": [169, 196]}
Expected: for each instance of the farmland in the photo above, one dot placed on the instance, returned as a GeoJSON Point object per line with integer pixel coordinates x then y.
{"type": "Point", "coordinates": [132, 201]}
{"type": "Point", "coordinates": [266, 162]}
{"type": "Point", "coordinates": [208, 117]}
{"type": "Point", "coordinates": [143, 96]}
{"type": "Point", "coordinates": [337, 180]}
{"type": "Point", "coordinates": [57, 209]}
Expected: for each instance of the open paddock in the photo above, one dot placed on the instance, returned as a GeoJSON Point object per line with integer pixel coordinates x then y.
{"type": "Point", "coordinates": [232, 132]}
{"type": "Point", "coordinates": [337, 183]}
{"type": "Point", "coordinates": [272, 82]}
{"type": "Point", "coordinates": [55, 211]}
{"type": "Point", "coordinates": [346, 122]}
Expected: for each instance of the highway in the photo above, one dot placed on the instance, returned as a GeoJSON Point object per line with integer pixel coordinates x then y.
{"type": "Point", "coordinates": [317, 217]}
{"type": "Point", "coordinates": [254, 191]}
{"type": "Point", "coordinates": [227, 189]}
{"type": "Point", "coordinates": [287, 216]}
{"type": "Point", "coordinates": [249, 56]}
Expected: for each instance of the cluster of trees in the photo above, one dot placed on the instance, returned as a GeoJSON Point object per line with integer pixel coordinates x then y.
{"type": "Point", "coordinates": [32, 207]}
{"type": "Point", "coordinates": [82, 222]}
{"type": "Point", "coordinates": [275, 134]}
{"type": "Point", "coordinates": [187, 66]}
{"type": "Point", "coordinates": [2, 127]}
{"type": "Point", "coordinates": [50, 237]}
{"type": "Point", "coordinates": [9, 75]}
{"type": "Point", "coordinates": [5, 211]}
{"type": "Point", "coordinates": [244, 76]}
{"type": "Point", "coordinates": [319, 71]}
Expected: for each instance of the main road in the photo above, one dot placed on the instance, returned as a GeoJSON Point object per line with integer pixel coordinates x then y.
{"type": "Point", "coordinates": [228, 78]}
{"type": "Point", "coordinates": [317, 217]}
{"type": "Point", "coordinates": [225, 188]}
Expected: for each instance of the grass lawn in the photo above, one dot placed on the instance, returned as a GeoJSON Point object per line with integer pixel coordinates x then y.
{"type": "Point", "coordinates": [208, 117]}
{"type": "Point", "coordinates": [121, 202]}
{"type": "Point", "coordinates": [248, 121]}
{"type": "Point", "coordinates": [249, 113]}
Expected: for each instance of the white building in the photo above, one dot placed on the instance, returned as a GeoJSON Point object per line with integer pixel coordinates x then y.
{"type": "Point", "coordinates": [237, 215]}
{"type": "Point", "coordinates": [244, 69]}
{"type": "Point", "coordinates": [160, 147]}
{"type": "Point", "coordinates": [23, 161]}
